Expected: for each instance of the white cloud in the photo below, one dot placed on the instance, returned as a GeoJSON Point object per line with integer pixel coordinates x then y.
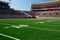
{"type": "Point", "coordinates": [5, 0]}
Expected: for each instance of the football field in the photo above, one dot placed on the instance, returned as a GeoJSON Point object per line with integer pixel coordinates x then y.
{"type": "Point", "coordinates": [29, 29]}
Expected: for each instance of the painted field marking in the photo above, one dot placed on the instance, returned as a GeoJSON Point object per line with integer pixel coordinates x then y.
{"type": "Point", "coordinates": [41, 22]}
{"type": "Point", "coordinates": [44, 29]}
{"type": "Point", "coordinates": [5, 24]}
{"type": "Point", "coordinates": [15, 26]}
{"type": "Point", "coordinates": [20, 26]}
{"type": "Point", "coordinates": [23, 25]}
{"type": "Point", "coordinates": [45, 21]}
{"type": "Point", "coordinates": [6, 27]}
{"type": "Point", "coordinates": [9, 36]}
{"type": "Point", "coordinates": [51, 20]}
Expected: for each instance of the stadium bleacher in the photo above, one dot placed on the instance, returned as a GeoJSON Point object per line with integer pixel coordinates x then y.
{"type": "Point", "coordinates": [7, 12]}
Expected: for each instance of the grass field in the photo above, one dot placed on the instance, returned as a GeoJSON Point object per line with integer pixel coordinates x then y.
{"type": "Point", "coordinates": [29, 29]}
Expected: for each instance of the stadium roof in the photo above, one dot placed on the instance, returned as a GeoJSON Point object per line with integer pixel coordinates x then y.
{"type": "Point", "coordinates": [42, 3]}
{"type": "Point", "coordinates": [56, 0]}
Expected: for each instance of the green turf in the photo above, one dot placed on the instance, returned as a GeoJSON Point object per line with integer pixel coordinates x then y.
{"type": "Point", "coordinates": [34, 31]}
{"type": "Point", "coordinates": [5, 38]}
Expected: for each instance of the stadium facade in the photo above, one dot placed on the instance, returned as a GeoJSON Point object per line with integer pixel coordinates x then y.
{"type": "Point", "coordinates": [46, 9]}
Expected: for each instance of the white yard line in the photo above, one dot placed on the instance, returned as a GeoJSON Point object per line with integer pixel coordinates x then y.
{"type": "Point", "coordinates": [9, 36]}
{"type": "Point", "coordinates": [5, 24]}
{"type": "Point", "coordinates": [44, 29]}
{"type": "Point", "coordinates": [51, 20]}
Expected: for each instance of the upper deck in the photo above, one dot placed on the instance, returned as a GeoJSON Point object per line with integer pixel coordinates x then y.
{"type": "Point", "coordinates": [4, 4]}
{"type": "Point", "coordinates": [46, 3]}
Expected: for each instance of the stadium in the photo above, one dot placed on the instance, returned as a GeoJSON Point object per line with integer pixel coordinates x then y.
{"type": "Point", "coordinates": [7, 12]}
{"type": "Point", "coordinates": [46, 9]}
{"type": "Point", "coordinates": [17, 24]}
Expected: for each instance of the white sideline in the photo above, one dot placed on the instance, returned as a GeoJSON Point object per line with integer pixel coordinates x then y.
{"type": "Point", "coordinates": [9, 36]}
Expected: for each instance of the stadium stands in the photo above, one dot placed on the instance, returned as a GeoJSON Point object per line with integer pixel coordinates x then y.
{"type": "Point", "coordinates": [44, 9]}
{"type": "Point", "coordinates": [7, 12]}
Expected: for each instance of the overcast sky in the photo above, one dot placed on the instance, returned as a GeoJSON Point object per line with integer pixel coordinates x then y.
{"type": "Point", "coordinates": [23, 4]}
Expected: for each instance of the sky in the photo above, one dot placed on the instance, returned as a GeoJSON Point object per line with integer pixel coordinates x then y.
{"type": "Point", "coordinates": [23, 4]}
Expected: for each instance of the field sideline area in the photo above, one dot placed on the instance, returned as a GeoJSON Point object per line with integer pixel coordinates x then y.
{"type": "Point", "coordinates": [29, 29]}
